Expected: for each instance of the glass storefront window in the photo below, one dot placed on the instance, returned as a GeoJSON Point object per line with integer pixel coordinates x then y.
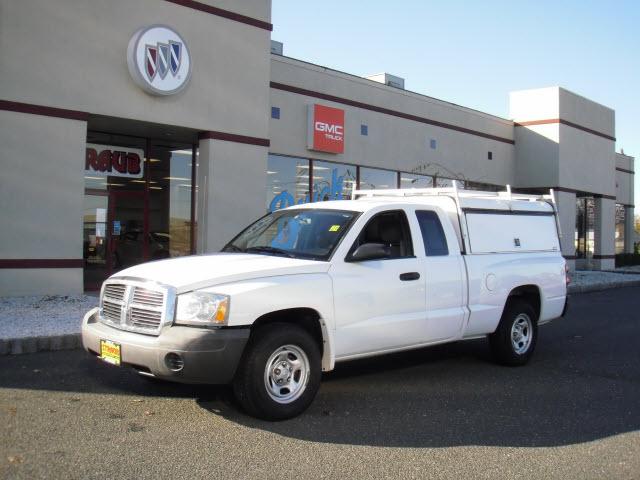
{"type": "Point", "coordinates": [332, 181]}
{"type": "Point", "coordinates": [412, 180]}
{"type": "Point", "coordinates": [287, 182]}
{"type": "Point", "coordinates": [169, 201]}
{"type": "Point", "coordinates": [126, 223]}
{"type": "Point", "coordinates": [620, 220]}
{"type": "Point", "coordinates": [585, 221]}
{"type": "Point", "coordinates": [373, 179]}
{"type": "Point", "coordinates": [484, 187]}
{"type": "Point", "coordinates": [441, 182]}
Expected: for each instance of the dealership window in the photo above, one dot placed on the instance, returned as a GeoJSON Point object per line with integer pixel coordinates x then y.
{"type": "Point", "coordinates": [585, 221]}
{"type": "Point", "coordinates": [332, 181]}
{"type": "Point", "coordinates": [620, 221]}
{"type": "Point", "coordinates": [412, 180]}
{"type": "Point", "coordinates": [287, 182]}
{"type": "Point", "coordinates": [169, 200]}
{"type": "Point", "coordinates": [374, 178]}
{"type": "Point", "coordinates": [441, 182]}
{"type": "Point", "coordinates": [485, 187]}
{"type": "Point", "coordinates": [137, 204]}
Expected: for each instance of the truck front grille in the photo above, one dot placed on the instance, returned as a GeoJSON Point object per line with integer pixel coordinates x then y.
{"type": "Point", "coordinates": [136, 306]}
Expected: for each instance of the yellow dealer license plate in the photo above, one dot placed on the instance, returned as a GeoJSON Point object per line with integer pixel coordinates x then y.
{"type": "Point", "coordinates": [110, 352]}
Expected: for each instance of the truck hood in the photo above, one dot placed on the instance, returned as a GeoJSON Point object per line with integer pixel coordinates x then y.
{"type": "Point", "coordinates": [201, 271]}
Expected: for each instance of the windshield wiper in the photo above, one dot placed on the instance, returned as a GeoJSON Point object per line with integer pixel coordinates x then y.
{"type": "Point", "coordinates": [267, 249]}
{"type": "Point", "coordinates": [232, 248]}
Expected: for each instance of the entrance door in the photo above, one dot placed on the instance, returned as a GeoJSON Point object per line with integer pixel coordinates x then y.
{"type": "Point", "coordinates": [127, 231]}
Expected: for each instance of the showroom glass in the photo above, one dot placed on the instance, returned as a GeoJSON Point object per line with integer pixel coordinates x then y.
{"type": "Point", "coordinates": [620, 224]}
{"type": "Point", "coordinates": [332, 181]}
{"type": "Point", "coordinates": [585, 221]}
{"type": "Point", "coordinates": [287, 182]}
{"type": "Point", "coordinates": [307, 233]}
{"type": "Point", "coordinates": [377, 179]}
{"type": "Point", "coordinates": [106, 196]}
{"type": "Point", "coordinates": [412, 180]}
{"type": "Point", "coordinates": [169, 200]}
{"type": "Point", "coordinates": [126, 224]}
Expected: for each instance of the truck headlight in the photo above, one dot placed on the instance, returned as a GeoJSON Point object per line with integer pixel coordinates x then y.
{"type": "Point", "coordinates": [202, 309]}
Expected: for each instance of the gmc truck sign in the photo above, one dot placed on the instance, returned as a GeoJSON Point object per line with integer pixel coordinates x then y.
{"type": "Point", "coordinates": [326, 129]}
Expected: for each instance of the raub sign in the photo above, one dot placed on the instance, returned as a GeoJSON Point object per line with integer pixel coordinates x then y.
{"type": "Point", "coordinates": [110, 161]}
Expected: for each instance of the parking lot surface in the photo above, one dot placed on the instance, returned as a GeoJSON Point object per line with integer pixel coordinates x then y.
{"type": "Point", "coordinates": [442, 412]}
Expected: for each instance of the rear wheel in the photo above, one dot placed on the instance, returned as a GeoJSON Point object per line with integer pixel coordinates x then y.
{"type": "Point", "coordinates": [279, 374]}
{"type": "Point", "coordinates": [515, 339]}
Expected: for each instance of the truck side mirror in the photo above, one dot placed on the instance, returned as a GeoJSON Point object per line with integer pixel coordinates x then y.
{"type": "Point", "coordinates": [370, 251]}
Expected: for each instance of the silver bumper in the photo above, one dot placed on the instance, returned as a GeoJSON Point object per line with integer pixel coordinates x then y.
{"type": "Point", "coordinates": [209, 355]}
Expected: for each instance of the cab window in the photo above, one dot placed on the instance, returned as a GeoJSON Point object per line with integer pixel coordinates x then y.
{"type": "Point", "coordinates": [433, 237]}
{"type": "Point", "coordinates": [388, 228]}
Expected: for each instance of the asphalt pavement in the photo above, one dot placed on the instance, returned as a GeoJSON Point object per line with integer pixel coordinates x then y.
{"type": "Point", "coordinates": [443, 412]}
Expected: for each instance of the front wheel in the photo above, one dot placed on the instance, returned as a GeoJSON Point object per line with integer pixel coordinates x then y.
{"type": "Point", "coordinates": [515, 339]}
{"type": "Point", "coordinates": [279, 374]}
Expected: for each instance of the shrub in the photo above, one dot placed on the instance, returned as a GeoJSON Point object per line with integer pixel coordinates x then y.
{"type": "Point", "coordinates": [627, 259]}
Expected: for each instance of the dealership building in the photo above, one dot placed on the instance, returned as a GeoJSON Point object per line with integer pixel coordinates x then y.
{"type": "Point", "coordinates": [132, 131]}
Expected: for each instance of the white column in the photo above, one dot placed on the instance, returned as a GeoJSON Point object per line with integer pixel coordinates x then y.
{"type": "Point", "coordinates": [232, 182]}
{"type": "Point", "coordinates": [604, 234]}
{"type": "Point", "coordinates": [566, 202]}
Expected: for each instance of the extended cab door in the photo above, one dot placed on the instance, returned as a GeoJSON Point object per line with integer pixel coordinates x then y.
{"type": "Point", "coordinates": [380, 303]}
{"type": "Point", "coordinates": [445, 276]}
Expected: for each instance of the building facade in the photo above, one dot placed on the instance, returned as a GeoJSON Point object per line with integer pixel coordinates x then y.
{"type": "Point", "coordinates": [134, 131]}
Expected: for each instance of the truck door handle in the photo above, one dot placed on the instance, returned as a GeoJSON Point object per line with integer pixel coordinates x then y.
{"type": "Point", "coordinates": [409, 276]}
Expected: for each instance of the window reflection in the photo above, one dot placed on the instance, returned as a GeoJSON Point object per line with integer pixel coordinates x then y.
{"type": "Point", "coordinates": [169, 201]}
{"type": "Point", "coordinates": [332, 181]}
{"type": "Point", "coordinates": [620, 223]}
{"type": "Point", "coordinates": [373, 178]}
{"type": "Point", "coordinates": [411, 180]}
{"type": "Point", "coordinates": [287, 182]}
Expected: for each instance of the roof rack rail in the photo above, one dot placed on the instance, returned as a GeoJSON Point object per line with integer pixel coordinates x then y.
{"type": "Point", "coordinates": [454, 191]}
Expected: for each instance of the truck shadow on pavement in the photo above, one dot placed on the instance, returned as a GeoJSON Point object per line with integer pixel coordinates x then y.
{"type": "Point", "coordinates": [582, 384]}
{"type": "Point", "coordinates": [453, 395]}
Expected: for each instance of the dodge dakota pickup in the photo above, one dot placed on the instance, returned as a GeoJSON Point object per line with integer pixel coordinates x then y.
{"type": "Point", "coordinates": [309, 286]}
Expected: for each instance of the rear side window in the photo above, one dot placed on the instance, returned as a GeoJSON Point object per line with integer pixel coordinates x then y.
{"type": "Point", "coordinates": [435, 242]}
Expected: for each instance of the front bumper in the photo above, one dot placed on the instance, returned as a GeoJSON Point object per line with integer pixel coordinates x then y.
{"type": "Point", "coordinates": [209, 355]}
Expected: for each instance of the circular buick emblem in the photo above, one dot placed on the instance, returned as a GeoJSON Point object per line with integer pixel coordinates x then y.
{"type": "Point", "coordinates": [159, 60]}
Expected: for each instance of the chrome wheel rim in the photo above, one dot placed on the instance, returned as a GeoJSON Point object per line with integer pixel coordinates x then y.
{"type": "Point", "coordinates": [286, 374]}
{"type": "Point", "coordinates": [521, 333]}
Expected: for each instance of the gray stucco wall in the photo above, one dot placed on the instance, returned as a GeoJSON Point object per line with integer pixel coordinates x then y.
{"type": "Point", "coordinates": [392, 143]}
{"type": "Point", "coordinates": [41, 191]}
{"type": "Point", "coordinates": [72, 54]}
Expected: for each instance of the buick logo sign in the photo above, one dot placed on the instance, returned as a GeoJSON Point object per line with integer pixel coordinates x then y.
{"type": "Point", "coordinates": [159, 60]}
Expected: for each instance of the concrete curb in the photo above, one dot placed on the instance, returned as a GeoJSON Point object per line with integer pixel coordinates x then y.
{"type": "Point", "coordinates": [73, 341]}
{"type": "Point", "coordinates": [596, 287]}
{"type": "Point", "coordinates": [18, 346]}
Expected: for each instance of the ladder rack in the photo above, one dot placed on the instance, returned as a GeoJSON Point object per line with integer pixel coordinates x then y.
{"type": "Point", "coordinates": [457, 194]}
{"type": "Point", "coordinates": [452, 191]}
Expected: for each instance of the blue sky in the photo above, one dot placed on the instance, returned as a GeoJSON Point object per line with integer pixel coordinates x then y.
{"type": "Point", "coordinates": [475, 53]}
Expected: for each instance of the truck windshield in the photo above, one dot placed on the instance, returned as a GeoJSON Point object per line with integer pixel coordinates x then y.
{"type": "Point", "coordinates": [310, 234]}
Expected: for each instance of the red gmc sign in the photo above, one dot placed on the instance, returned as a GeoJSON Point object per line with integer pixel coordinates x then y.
{"type": "Point", "coordinates": [326, 129]}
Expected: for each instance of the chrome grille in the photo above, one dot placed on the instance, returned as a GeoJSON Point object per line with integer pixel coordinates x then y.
{"type": "Point", "coordinates": [111, 310]}
{"type": "Point", "coordinates": [115, 291]}
{"type": "Point", "coordinates": [142, 318]}
{"type": "Point", "coordinates": [136, 306]}
{"type": "Point", "coordinates": [143, 296]}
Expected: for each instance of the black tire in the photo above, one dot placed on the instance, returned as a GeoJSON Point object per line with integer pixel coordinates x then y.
{"type": "Point", "coordinates": [507, 350]}
{"type": "Point", "coordinates": [250, 386]}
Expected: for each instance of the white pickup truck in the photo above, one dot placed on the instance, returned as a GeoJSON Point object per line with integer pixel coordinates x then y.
{"type": "Point", "coordinates": [312, 285]}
